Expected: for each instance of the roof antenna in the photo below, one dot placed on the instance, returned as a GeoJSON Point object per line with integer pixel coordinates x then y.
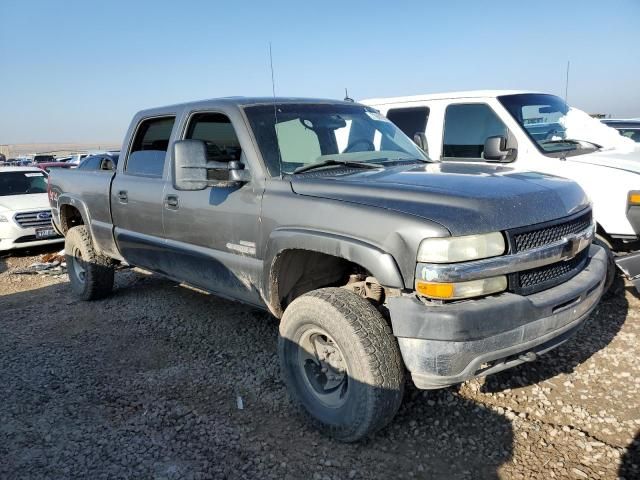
{"type": "Point", "coordinates": [275, 110]}
{"type": "Point", "coordinates": [566, 84]}
{"type": "Point", "coordinates": [347, 98]}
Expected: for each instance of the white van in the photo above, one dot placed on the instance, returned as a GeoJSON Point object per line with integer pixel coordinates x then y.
{"type": "Point", "coordinates": [534, 132]}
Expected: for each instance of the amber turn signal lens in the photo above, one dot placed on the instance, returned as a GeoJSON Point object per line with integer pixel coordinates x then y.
{"type": "Point", "coordinates": [455, 291]}
{"type": "Point", "coordinates": [634, 198]}
{"type": "Point", "coordinates": [435, 290]}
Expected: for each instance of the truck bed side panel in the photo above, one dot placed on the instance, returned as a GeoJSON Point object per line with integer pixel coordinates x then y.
{"type": "Point", "coordinates": [88, 191]}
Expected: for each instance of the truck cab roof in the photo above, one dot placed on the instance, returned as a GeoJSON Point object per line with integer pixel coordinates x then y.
{"type": "Point", "coordinates": [238, 102]}
{"type": "Point", "coordinates": [443, 96]}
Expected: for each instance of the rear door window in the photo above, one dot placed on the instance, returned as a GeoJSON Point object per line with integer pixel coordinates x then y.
{"type": "Point", "coordinates": [91, 163]}
{"type": "Point", "coordinates": [467, 127]}
{"type": "Point", "coordinates": [149, 148]}
{"type": "Point", "coordinates": [410, 120]}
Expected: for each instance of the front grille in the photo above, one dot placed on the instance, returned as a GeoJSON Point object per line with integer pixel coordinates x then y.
{"type": "Point", "coordinates": [541, 278]}
{"type": "Point", "coordinates": [31, 219]}
{"type": "Point", "coordinates": [546, 234]}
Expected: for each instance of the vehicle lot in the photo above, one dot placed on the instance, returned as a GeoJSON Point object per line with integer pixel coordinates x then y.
{"type": "Point", "coordinates": [146, 384]}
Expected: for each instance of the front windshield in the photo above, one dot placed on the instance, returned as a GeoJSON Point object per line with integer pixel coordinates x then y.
{"type": "Point", "coordinates": [21, 183]}
{"type": "Point", "coordinates": [306, 134]}
{"type": "Point", "coordinates": [541, 116]}
{"type": "Point", "coordinates": [558, 129]}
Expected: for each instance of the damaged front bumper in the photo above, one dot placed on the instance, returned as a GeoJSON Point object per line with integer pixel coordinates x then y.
{"type": "Point", "coordinates": [447, 344]}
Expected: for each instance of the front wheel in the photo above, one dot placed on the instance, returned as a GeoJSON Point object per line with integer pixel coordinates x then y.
{"type": "Point", "coordinates": [341, 363]}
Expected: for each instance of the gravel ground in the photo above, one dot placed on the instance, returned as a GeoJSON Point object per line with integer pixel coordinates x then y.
{"type": "Point", "coordinates": [146, 384]}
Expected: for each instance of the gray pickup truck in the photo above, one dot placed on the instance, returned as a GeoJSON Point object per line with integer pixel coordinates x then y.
{"type": "Point", "coordinates": [376, 259]}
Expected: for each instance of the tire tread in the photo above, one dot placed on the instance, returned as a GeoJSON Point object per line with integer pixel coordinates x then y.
{"type": "Point", "coordinates": [99, 268]}
{"type": "Point", "coordinates": [385, 367]}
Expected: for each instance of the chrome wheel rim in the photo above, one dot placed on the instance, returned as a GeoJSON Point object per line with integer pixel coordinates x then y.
{"type": "Point", "coordinates": [323, 368]}
{"type": "Point", "coordinates": [78, 266]}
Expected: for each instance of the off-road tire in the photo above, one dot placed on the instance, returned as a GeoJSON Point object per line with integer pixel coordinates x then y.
{"type": "Point", "coordinates": [376, 372]}
{"type": "Point", "coordinates": [98, 269]}
{"type": "Point", "coordinates": [611, 265]}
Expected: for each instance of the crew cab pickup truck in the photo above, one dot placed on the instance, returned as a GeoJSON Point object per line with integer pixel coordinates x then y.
{"type": "Point", "coordinates": [535, 132]}
{"type": "Point", "coordinates": [376, 259]}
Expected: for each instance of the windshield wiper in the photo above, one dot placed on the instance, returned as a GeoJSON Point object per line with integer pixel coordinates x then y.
{"type": "Point", "coordinates": [571, 141]}
{"type": "Point", "coordinates": [332, 161]}
{"type": "Point", "coordinates": [405, 160]}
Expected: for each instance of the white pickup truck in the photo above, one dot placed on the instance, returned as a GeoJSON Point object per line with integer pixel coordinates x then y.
{"type": "Point", "coordinates": [535, 132]}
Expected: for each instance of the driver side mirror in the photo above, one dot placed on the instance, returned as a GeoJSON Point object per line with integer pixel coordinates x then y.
{"type": "Point", "coordinates": [193, 171]}
{"type": "Point", "coordinates": [496, 149]}
{"type": "Point", "coordinates": [420, 139]}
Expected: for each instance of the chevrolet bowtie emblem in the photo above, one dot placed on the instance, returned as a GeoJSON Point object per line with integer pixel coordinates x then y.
{"type": "Point", "coordinates": [571, 248]}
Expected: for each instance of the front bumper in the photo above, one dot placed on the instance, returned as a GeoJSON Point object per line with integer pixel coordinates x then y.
{"type": "Point", "coordinates": [633, 215]}
{"type": "Point", "coordinates": [447, 344]}
{"type": "Point", "coordinates": [13, 237]}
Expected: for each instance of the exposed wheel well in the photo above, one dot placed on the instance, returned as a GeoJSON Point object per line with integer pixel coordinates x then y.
{"type": "Point", "coordinates": [70, 217]}
{"type": "Point", "coordinates": [295, 272]}
{"type": "Point", "coordinates": [614, 244]}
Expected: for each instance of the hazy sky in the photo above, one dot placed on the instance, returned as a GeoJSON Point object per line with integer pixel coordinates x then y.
{"type": "Point", "coordinates": [76, 71]}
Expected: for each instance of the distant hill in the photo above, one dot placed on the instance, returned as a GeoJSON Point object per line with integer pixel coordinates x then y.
{"type": "Point", "coordinates": [58, 149]}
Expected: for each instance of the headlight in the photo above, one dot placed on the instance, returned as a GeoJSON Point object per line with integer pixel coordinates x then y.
{"type": "Point", "coordinates": [460, 249]}
{"type": "Point", "coordinates": [3, 218]}
{"type": "Point", "coordinates": [455, 291]}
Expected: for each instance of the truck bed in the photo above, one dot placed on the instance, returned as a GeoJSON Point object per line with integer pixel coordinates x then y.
{"type": "Point", "coordinates": [91, 190]}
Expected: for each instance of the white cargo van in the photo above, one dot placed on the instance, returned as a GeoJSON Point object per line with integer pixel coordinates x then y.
{"type": "Point", "coordinates": [534, 132]}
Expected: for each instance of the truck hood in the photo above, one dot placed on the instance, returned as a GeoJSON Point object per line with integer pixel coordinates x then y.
{"type": "Point", "coordinates": [619, 159]}
{"type": "Point", "coordinates": [32, 201]}
{"type": "Point", "coordinates": [464, 198]}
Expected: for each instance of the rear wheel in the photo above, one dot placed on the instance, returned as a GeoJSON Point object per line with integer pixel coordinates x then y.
{"type": "Point", "coordinates": [341, 363]}
{"type": "Point", "coordinates": [90, 274]}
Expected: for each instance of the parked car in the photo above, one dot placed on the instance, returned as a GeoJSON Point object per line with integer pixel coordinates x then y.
{"type": "Point", "coordinates": [324, 213]}
{"type": "Point", "coordinates": [47, 166]}
{"type": "Point", "coordinates": [43, 158]}
{"type": "Point", "coordinates": [25, 215]}
{"type": "Point", "coordinates": [535, 132]}
{"type": "Point", "coordinates": [627, 128]}
{"type": "Point", "coordinates": [101, 161]}
{"type": "Point", "coordinates": [19, 162]}
{"type": "Point", "coordinates": [74, 159]}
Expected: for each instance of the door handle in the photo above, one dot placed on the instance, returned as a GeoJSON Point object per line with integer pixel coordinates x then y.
{"type": "Point", "coordinates": [122, 196]}
{"type": "Point", "coordinates": [172, 202]}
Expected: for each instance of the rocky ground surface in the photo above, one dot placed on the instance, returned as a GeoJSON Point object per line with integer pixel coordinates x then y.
{"type": "Point", "coordinates": [149, 383]}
